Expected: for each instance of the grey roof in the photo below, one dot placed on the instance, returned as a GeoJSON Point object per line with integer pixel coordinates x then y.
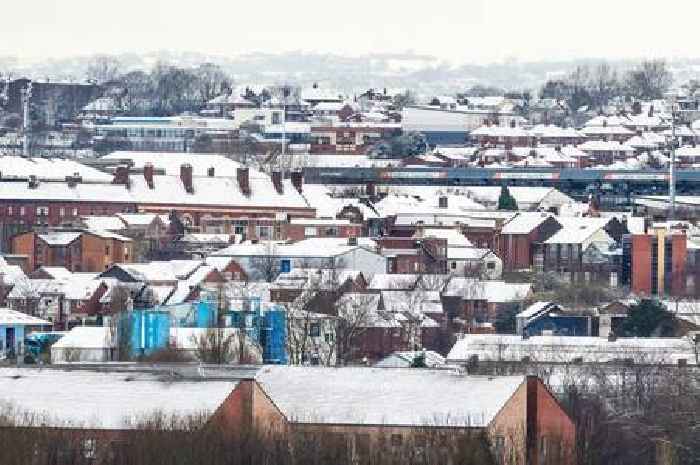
{"type": "Point", "coordinates": [375, 396]}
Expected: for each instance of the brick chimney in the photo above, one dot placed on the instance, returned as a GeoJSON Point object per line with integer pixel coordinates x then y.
{"type": "Point", "coordinates": [121, 175]}
{"type": "Point", "coordinates": [74, 180]}
{"type": "Point", "coordinates": [148, 174]}
{"type": "Point", "coordinates": [371, 189]}
{"type": "Point", "coordinates": [297, 180]}
{"type": "Point", "coordinates": [277, 181]}
{"type": "Point", "coordinates": [243, 177]}
{"type": "Point", "coordinates": [186, 177]}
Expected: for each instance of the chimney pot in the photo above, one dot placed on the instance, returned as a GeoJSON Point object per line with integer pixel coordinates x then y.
{"type": "Point", "coordinates": [297, 180]}
{"type": "Point", "coordinates": [243, 177]}
{"type": "Point", "coordinates": [277, 181]}
{"type": "Point", "coordinates": [121, 175]}
{"type": "Point", "coordinates": [186, 177]}
{"type": "Point", "coordinates": [148, 174]}
{"type": "Point", "coordinates": [371, 189]}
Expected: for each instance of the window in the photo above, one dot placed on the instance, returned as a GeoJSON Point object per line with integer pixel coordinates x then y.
{"type": "Point", "coordinates": [285, 265]}
{"type": "Point", "coordinates": [396, 440]}
{"type": "Point", "coordinates": [491, 265]}
{"type": "Point", "coordinates": [329, 338]}
{"type": "Point", "coordinates": [263, 232]}
{"type": "Point", "coordinates": [310, 232]}
{"type": "Point", "coordinates": [42, 211]}
{"type": "Point", "coordinates": [9, 211]}
{"type": "Point", "coordinates": [331, 231]}
{"type": "Point", "coordinates": [62, 211]}
{"type": "Point", "coordinates": [453, 265]}
{"type": "Point", "coordinates": [89, 448]}
{"type": "Point", "coordinates": [315, 330]}
{"type": "Point", "coordinates": [75, 211]}
{"type": "Point", "coordinates": [106, 250]}
{"type": "Point", "coordinates": [22, 211]}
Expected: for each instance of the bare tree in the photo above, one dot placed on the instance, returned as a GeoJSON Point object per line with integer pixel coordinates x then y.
{"type": "Point", "coordinates": [103, 68]}
{"type": "Point", "coordinates": [650, 80]}
{"type": "Point", "coordinates": [218, 346]}
{"type": "Point", "coordinates": [311, 335]}
{"type": "Point", "coordinates": [355, 313]}
{"type": "Point", "coordinates": [265, 265]}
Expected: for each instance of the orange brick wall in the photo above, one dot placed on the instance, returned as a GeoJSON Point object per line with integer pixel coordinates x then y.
{"type": "Point", "coordinates": [641, 264]}
{"type": "Point", "coordinates": [23, 244]}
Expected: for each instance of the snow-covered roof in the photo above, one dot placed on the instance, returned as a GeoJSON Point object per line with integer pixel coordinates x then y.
{"type": "Point", "coordinates": [566, 348]}
{"type": "Point", "coordinates": [405, 359]}
{"type": "Point", "coordinates": [467, 253]}
{"type": "Point", "coordinates": [491, 291]}
{"type": "Point", "coordinates": [103, 223]}
{"type": "Point", "coordinates": [381, 281]}
{"type": "Point", "coordinates": [107, 400]}
{"type": "Point", "coordinates": [48, 168]}
{"type": "Point", "coordinates": [58, 238]}
{"type": "Point", "coordinates": [376, 396]}
{"type": "Point", "coordinates": [576, 230]}
{"type": "Point", "coordinates": [315, 94]}
{"type": "Point", "coordinates": [524, 195]}
{"type": "Point", "coordinates": [87, 337]}
{"type": "Point", "coordinates": [167, 190]}
{"type": "Point", "coordinates": [604, 146]}
{"type": "Point", "coordinates": [553, 131]}
{"type": "Point", "coordinates": [524, 223]}
{"type": "Point", "coordinates": [454, 238]}
{"type": "Point", "coordinates": [139, 219]}
{"type": "Point", "coordinates": [311, 247]}
{"type": "Point", "coordinates": [14, 318]}
{"type": "Point", "coordinates": [171, 163]}
{"type": "Point", "coordinates": [534, 309]}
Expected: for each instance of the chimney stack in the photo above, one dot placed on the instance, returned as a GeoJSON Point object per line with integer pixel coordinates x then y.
{"type": "Point", "coordinates": [210, 171]}
{"type": "Point", "coordinates": [186, 177]}
{"type": "Point", "coordinates": [371, 190]}
{"type": "Point", "coordinates": [148, 174]}
{"type": "Point", "coordinates": [121, 175]}
{"type": "Point", "coordinates": [33, 182]}
{"type": "Point", "coordinates": [243, 180]}
{"type": "Point", "coordinates": [277, 181]}
{"type": "Point", "coordinates": [442, 202]}
{"type": "Point", "coordinates": [297, 180]}
{"type": "Point", "coordinates": [71, 180]}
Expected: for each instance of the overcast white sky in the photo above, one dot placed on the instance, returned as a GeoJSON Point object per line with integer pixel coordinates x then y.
{"type": "Point", "coordinates": [455, 30]}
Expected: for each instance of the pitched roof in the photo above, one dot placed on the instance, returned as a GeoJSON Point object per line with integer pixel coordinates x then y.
{"type": "Point", "coordinates": [566, 348]}
{"type": "Point", "coordinates": [491, 291]}
{"type": "Point", "coordinates": [14, 318]}
{"type": "Point", "coordinates": [376, 396]}
{"type": "Point", "coordinates": [107, 400]}
{"type": "Point", "coordinates": [48, 168]}
{"type": "Point", "coordinates": [524, 223]}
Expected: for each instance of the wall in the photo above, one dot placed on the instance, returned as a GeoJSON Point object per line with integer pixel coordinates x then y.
{"type": "Point", "coordinates": [23, 244]}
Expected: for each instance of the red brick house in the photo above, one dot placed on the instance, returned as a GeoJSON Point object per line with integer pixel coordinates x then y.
{"type": "Point", "coordinates": [92, 251]}
{"type": "Point", "coordinates": [521, 236]}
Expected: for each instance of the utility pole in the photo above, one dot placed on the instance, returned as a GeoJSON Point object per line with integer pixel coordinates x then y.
{"type": "Point", "coordinates": [672, 168]}
{"type": "Point", "coordinates": [26, 126]}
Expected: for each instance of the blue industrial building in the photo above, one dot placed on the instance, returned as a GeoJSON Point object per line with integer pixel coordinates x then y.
{"type": "Point", "coordinates": [547, 318]}
{"type": "Point", "coordinates": [263, 324]}
{"type": "Point", "coordinates": [13, 326]}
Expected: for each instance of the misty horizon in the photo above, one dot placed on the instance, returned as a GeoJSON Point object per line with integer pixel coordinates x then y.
{"type": "Point", "coordinates": [478, 32]}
